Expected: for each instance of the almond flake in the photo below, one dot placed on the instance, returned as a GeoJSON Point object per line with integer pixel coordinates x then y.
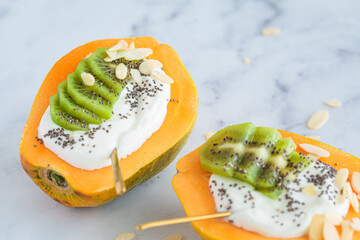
{"type": "Point", "coordinates": [342, 195]}
{"type": "Point", "coordinates": [138, 53]}
{"type": "Point", "coordinates": [316, 137]}
{"type": "Point", "coordinates": [125, 236]}
{"type": "Point", "coordinates": [121, 45]}
{"type": "Point", "coordinates": [330, 232]}
{"type": "Point", "coordinates": [346, 231]}
{"type": "Point", "coordinates": [108, 59]}
{"type": "Point", "coordinates": [318, 119]}
{"type": "Point", "coordinates": [119, 54]}
{"type": "Point", "coordinates": [317, 151]}
{"type": "Point", "coordinates": [316, 227]}
{"type": "Point", "coordinates": [355, 203]}
{"type": "Point", "coordinates": [88, 79]}
{"type": "Point", "coordinates": [87, 56]}
{"type": "Point", "coordinates": [208, 135]}
{"type": "Point", "coordinates": [312, 156]}
{"type": "Point", "coordinates": [341, 178]}
{"type": "Point", "coordinates": [121, 71]}
{"type": "Point", "coordinates": [356, 224]}
{"type": "Point", "coordinates": [246, 60]}
{"type": "Point", "coordinates": [175, 236]}
{"type": "Point", "coordinates": [111, 54]}
{"type": "Point", "coordinates": [334, 217]}
{"type": "Point", "coordinates": [136, 75]}
{"type": "Point", "coordinates": [270, 31]}
{"type": "Point", "coordinates": [160, 75]}
{"type": "Point", "coordinates": [131, 45]}
{"type": "Point", "coordinates": [148, 65]}
{"type": "Point", "coordinates": [334, 103]}
{"type": "Point", "coordinates": [310, 190]}
{"type": "Point", "coordinates": [355, 182]}
{"type": "Point", "coordinates": [350, 196]}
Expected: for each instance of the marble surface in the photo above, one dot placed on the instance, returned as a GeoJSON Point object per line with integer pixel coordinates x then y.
{"type": "Point", "coordinates": [316, 57]}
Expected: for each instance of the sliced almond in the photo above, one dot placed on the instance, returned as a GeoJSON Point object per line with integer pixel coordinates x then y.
{"type": "Point", "coordinates": [316, 227]}
{"type": "Point", "coordinates": [346, 231]}
{"type": "Point", "coordinates": [125, 236]}
{"type": "Point", "coordinates": [131, 45]}
{"type": "Point", "coordinates": [318, 119]}
{"type": "Point", "coordinates": [350, 196]}
{"type": "Point", "coordinates": [334, 217]}
{"type": "Point", "coordinates": [312, 156]}
{"type": "Point", "coordinates": [138, 53]}
{"type": "Point", "coordinates": [342, 195]}
{"type": "Point", "coordinates": [175, 236]}
{"type": "Point", "coordinates": [330, 232]}
{"type": "Point", "coordinates": [88, 79]}
{"type": "Point", "coordinates": [341, 178]}
{"type": "Point", "coordinates": [119, 54]}
{"type": "Point", "coordinates": [355, 203]}
{"type": "Point", "coordinates": [136, 75]}
{"type": "Point", "coordinates": [121, 71]}
{"type": "Point", "coordinates": [246, 60]}
{"type": "Point", "coordinates": [355, 225]}
{"type": "Point", "coordinates": [121, 45]}
{"type": "Point", "coordinates": [208, 135]}
{"type": "Point", "coordinates": [270, 31]}
{"type": "Point", "coordinates": [317, 151]}
{"type": "Point", "coordinates": [334, 103]}
{"type": "Point", "coordinates": [111, 54]}
{"type": "Point", "coordinates": [160, 75]}
{"type": "Point", "coordinates": [310, 190]}
{"type": "Point", "coordinates": [316, 137]}
{"type": "Point", "coordinates": [355, 182]}
{"type": "Point", "coordinates": [148, 65]}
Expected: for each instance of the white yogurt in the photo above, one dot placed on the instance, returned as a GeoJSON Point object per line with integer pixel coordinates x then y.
{"type": "Point", "coordinates": [255, 212]}
{"type": "Point", "coordinates": [128, 129]}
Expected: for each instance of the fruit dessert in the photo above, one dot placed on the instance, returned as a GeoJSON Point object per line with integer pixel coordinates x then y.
{"type": "Point", "coordinates": [276, 184]}
{"type": "Point", "coordinates": [131, 94]}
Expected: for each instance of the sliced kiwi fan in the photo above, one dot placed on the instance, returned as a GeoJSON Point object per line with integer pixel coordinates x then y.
{"type": "Point", "coordinates": [77, 105]}
{"type": "Point", "coordinates": [256, 155]}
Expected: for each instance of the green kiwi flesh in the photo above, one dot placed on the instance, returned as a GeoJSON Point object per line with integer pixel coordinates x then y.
{"type": "Point", "coordinates": [256, 155]}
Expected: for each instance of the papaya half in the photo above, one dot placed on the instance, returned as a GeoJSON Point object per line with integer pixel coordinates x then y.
{"type": "Point", "coordinates": [191, 184]}
{"type": "Point", "coordinates": [76, 187]}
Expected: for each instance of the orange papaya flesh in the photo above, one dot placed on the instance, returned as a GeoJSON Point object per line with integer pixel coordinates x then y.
{"type": "Point", "coordinates": [191, 184]}
{"type": "Point", "coordinates": [76, 187]}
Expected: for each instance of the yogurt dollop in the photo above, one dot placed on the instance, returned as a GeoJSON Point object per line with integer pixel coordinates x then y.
{"type": "Point", "coordinates": [139, 112]}
{"type": "Point", "coordinates": [287, 217]}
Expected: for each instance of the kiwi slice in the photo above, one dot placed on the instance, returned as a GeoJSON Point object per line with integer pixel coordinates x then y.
{"type": "Point", "coordinates": [105, 71]}
{"type": "Point", "coordinates": [99, 87]}
{"type": "Point", "coordinates": [62, 118]}
{"type": "Point", "coordinates": [87, 98]}
{"type": "Point", "coordinates": [72, 108]}
{"type": "Point", "coordinates": [256, 155]}
{"type": "Point", "coordinates": [222, 151]}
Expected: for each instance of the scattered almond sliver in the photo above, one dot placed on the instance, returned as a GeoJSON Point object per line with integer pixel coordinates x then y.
{"type": "Point", "coordinates": [316, 227]}
{"type": "Point", "coordinates": [208, 135]}
{"type": "Point", "coordinates": [121, 71]}
{"type": "Point", "coordinates": [148, 65]}
{"type": "Point", "coordinates": [310, 190]}
{"type": "Point", "coordinates": [136, 75]}
{"type": "Point", "coordinates": [138, 53]}
{"type": "Point", "coordinates": [246, 60]}
{"type": "Point", "coordinates": [355, 182]}
{"type": "Point", "coordinates": [318, 119]}
{"type": "Point", "coordinates": [131, 45]}
{"type": "Point", "coordinates": [316, 137]}
{"type": "Point", "coordinates": [270, 31]}
{"type": "Point", "coordinates": [346, 231]}
{"type": "Point", "coordinates": [355, 202]}
{"type": "Point", "coordinates": [161, 76]}
{"type": "Point", "coordinates": [342, 196]}
{"type": "Point", "coordinates": [111, 54]}
{"type": "Point", "coordinates": [121, 45]}
{"type": "Point", "coordinates": [88, 79]}
{"type": "Point", "coordinates": [125, 236]}
{"type": "Point", "coordinates": [334, 103]}
{"type": "Point", "coordinates": [334, 217]}
{"type": "Point", "coordinates": [355, 225]}
{"type": "Point", "coordinates": [119, 54]}
{"type": "Point", "coordinates": [329, 231]}
{"type": "Point", "coordinates": [341, 178]}
{"type": "Point", "coordinates": [175, 236]}
{"type": "Point", "coordinates": [317, 151]}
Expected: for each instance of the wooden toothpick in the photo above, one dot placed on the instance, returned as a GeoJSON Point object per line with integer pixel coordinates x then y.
{"type": "Point", "coordinates": [181, 220]}
{"type": "Point", "coordinates": [120, 187]}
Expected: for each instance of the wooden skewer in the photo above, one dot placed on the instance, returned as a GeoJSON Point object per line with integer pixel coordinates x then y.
{"type": "Point", "coordinates": [181, 220]}
{"type": "Point", "coordinates": [120, 187]}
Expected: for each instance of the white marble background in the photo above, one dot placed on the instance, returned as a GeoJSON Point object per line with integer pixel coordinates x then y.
{"type": "Point", "coordinates": [315, 58]}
